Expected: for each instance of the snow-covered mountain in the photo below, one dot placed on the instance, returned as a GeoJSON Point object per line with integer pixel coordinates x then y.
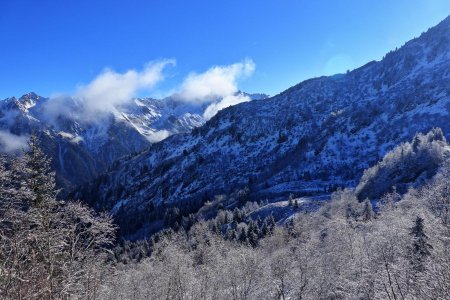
{"type": "Point", "coordinates": [317, 135]}
{"type": "Point", "coordinates": [81, 149]}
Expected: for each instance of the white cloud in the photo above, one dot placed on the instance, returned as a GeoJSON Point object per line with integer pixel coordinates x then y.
{"type": "Point", "coordinates": [217, 87]}
{"type": "Point", "coordinates": [107, 91]}
{"type": "Point", "coordinates": [11, 143]}
{"type": "Point", "coordinates": [227, 101]}
{"type": "Point", "coordinates": [158, 136]}
{"type": "Point", "coordinates": [110, 88]}
{"type": "Point", "coordinates": [217, 82]}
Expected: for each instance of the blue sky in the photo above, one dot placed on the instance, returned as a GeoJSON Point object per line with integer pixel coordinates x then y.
{"type": "Point", "coordinates": [54, 46]}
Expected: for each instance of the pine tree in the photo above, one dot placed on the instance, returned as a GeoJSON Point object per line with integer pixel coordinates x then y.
{"type": "Point", "coordinates": [231, 234]}
{"type": "Point", "coordinates": [264, 230]}
{"type": "Point", "coordinates": [367, 213]}
{"type": "Point", "coordinates": [259, 222]}
{"type": "Point", "coordinates": [243, 236]}
{"type": "Point", "coordinates": [291, 200]}
{"type": "Point", "coordinates": [226, 220]}
{"type": "Point", "coordinates": [216, 227]}
{"type": "Point", "coordinates": [420, 248]}
{"type": "Point", "coordinates": [55, 248]}
{"type": "Point", "coordinates": [253, 234]}
{"type": "Point", "coordinates": [416, 143]}
{"type": "Point", "coordinates": [290, 227]}
{"type": "Point", "coordinates": [39, 180]}
{"type": "Point", "coordinates": [237, 215]}
{"type": "Point", "coordinates": [270, 224]}
{"type": "Point", "coordinates": [39, 187]}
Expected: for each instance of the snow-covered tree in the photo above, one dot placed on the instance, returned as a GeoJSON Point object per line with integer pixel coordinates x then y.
{"type": "Point", "coordinates": [49, 249]}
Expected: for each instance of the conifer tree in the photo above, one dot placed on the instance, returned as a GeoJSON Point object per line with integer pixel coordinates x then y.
{"type": "Point", "coordinates": [51, 249]}
{"type": "Point", "coordinates": [39, 180]}
{"type": "Point", "coordinates": [253, 234]}
{"type": "Point", "coordinates": [237, 215]}
{"type": "Point", "coordinates": [270, 224]}
{"type": "Point", "coordinates": [291, 200]}
{"type": "Point", "coordinates": [243, 236]}
{"type": "Point", "coordinates": [367, 213]}
{"type": "Point", "coordinates": [420, 248]}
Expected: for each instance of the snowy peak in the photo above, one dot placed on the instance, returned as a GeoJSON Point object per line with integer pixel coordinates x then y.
{"type": "Point", "coordinates": [83, 143]}
{"type": "Point", "coordinates": [27, 101]}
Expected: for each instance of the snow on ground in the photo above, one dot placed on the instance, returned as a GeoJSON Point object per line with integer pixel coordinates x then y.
{"type": "Point", "coordinates": [282, 211]}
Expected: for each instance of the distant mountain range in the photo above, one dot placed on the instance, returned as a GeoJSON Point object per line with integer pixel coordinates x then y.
{"type": "Point", "coordinates": [82, 149]}
{"type": "Point", "coordinates": [307, 140]}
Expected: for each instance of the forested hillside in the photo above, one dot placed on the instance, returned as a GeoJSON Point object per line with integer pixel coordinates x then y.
{"type": "Point", "coordinates": [83, 141]}
{"type": "Point", "coordinates": [342, 251]}
{"type": "Point", "coordinates": [308, 140]}
{"type": "Point", "coordinates": [347, 249]}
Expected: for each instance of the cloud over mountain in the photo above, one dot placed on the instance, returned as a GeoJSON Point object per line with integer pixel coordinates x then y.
{"type": "Point", "coordinates": [107, 91]}
{"type": "Point", "coordinates": [218, 81]}
{"type": "Point", "coordinates": [217, 86]}
{"type": "Point", "coordinates": [10, 143]}
{"type": "Point", "coordinates": [110, 88]}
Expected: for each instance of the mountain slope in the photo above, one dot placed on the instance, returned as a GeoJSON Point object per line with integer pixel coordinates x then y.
{"type": "Point", "coordinates": [318, 134]}
{"type": "Point", "coordinates": [82, 148]}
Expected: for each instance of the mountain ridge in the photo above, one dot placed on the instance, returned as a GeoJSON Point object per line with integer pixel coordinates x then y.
{"type": "Point", "coordinates": [82, 148]}
{"type": "Point", "coordinates": [316, 135]}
